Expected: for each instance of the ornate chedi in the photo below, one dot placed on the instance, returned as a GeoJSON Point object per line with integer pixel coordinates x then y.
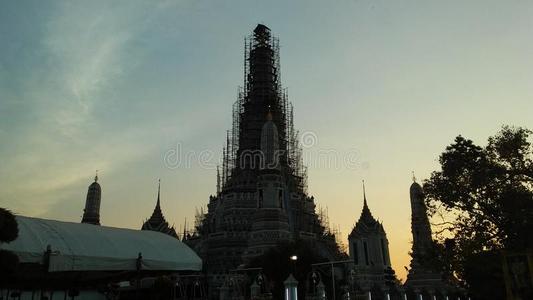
{"type": "Point", "coordinates": [91, 213]}
{"type": "Point", "coordinates": [369, 249]}
{"type": "Point", "coordinates": [157, 221]}
{"type": "Point", "coordinates": [261, 197]}
{"type": "Point", "coordinates": [424, 276]}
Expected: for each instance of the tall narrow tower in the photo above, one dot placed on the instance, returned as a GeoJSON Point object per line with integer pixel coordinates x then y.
{"type": "Point", "coordinates": [420, 228]}
{"type": "Point", "coordinates": [91, 213]}
{"type": "Point", "coordinates": [423, 275]}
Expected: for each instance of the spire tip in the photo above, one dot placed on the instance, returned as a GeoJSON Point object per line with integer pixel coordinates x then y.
{"type": "Point", "coordinates": [158, 192]}
{"type": "Point", "coordinates": [364, 193]}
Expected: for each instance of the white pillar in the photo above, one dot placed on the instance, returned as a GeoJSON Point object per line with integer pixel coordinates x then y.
{"type": "Point", "coordinates": [369, 295]}
{"type": "Point", "coordinates": [291, 288]}
{"type": "Point", "coordinates": [388, 296]}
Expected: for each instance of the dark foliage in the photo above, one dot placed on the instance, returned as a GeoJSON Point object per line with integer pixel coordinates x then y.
{"type": "Point", "coordinates": [8, 232]}
{"type": "Point", "coordinates": [483, 272]}
{"type": "Point", "coordinates": [489, 192]}
{"type": "Point", "coordinates": [8, 226]}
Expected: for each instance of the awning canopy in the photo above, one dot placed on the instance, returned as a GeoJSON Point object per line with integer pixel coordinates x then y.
{"type": "Point", "coordinates": [86, 247]}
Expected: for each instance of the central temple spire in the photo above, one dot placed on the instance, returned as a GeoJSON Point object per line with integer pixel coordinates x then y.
{"type": "Point", "coordinates": [263, 72]}
{"type": "Point", "coordinates": [257, 208]}
{"type": "Point", "coordinates": [262, 95]}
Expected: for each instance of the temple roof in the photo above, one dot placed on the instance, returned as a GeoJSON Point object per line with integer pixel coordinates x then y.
{"type": "Point", "coordinates": [367, 223]}
{"type": "Point", "coordinates": [157, 221]}
{"type": "Point", "coordinates": [366, 216]}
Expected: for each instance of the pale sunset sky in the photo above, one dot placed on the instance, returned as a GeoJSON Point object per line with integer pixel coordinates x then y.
{"type": "Point", "coordinates": [142, 90]}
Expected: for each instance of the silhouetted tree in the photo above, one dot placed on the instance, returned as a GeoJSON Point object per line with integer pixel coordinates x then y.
{"type": "Point", "coordinates": [8, 232]}
{"type": "Point", "coordinates": [485, 198]}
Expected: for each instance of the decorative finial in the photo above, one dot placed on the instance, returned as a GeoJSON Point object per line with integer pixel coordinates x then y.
{"type": "Point", "coordinates": [184, 238]}
{"type": "Point", "coordinates": [96, 176]}
{"type": "Point", "coordinates": [364, 193]}
{"type": "Point", "coordinates": [158, 191]}
{"type": "Point", "coordinates": [414, 178]}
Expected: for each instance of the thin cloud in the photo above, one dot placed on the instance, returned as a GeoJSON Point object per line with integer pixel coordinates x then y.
{"type": "Point", "coordinates": [86, 51]}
